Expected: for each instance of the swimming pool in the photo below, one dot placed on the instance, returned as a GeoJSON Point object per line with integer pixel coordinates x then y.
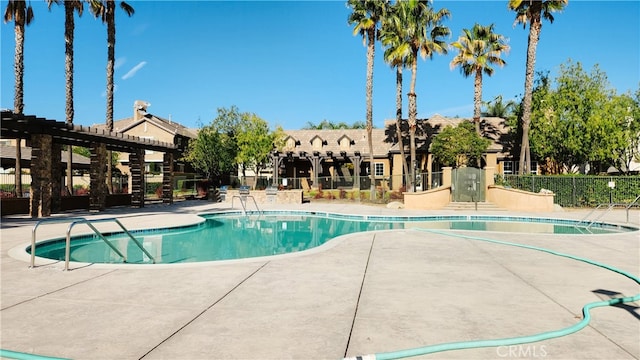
{"type": "Point", "coordinates": [232, 235]}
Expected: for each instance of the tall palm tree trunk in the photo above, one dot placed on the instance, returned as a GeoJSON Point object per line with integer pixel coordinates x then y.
{"type": "Point", "coordinates": [399, 133]}
{"type": "Point", "coordinates": [477, 100]}
{"type": "Point", "coordinates": [18, 104]}
{"type": "Point", "coordinates": [370, 56]}
{"type": "Point", "coordinates": [413, 114]}
{"type": "Point", "coordinates": [534, 36]}
{"type": "Point", "coordinates": [69, 112]}
{"type": "Point", "coordinates": [111, 50]}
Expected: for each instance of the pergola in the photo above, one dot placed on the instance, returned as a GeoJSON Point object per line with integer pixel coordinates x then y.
{"type": "Point", "coordinates": [46, 138]}
{"type": "Point", "coordinates": [316, 158]}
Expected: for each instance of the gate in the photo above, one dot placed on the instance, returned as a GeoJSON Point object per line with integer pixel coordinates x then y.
{"type": "Point", "coordinates": [468, 184]}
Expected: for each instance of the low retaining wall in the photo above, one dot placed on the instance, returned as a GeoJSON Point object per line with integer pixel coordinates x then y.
{"type": "Point", "coordinates": [261, 196]}
{"type": "Point", "coordinates": [12, 206]}
{"type": "Point", "coordinates": [518, 200]}
{"type": "Point", "coordinates": [433, 199]}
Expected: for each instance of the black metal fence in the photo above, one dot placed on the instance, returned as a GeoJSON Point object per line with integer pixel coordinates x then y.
{"type": "Point", "coordinates": [341, 182]}
{"type": "Point", "coordinates": [580, 190]}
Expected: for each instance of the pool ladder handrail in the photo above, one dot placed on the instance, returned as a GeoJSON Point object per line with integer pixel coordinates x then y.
{"type": "Point", "coordinates": [243, 195]}
{"type": "Point", "coordinates": [609, 208]}
{"type": "Point", "coordinates": [89, 223]}
{"type": "Point", "coordinates": [46, 221]}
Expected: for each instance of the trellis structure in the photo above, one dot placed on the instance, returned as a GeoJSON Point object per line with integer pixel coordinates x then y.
{"type": "Point", "coordinates": [46, 138]}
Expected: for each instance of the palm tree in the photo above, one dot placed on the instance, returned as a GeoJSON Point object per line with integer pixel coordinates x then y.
{"type": "Point", "coordinates": [532, 11]}
{"type": "Point", "coordinates": [366, 17]}
{"type": "Point", "coordinates": [70, 7]}
{"type": "Point", "coordinates": [396, 55]}
{"type": "Point", "coordinates": [479, 49]}
{"type": "Point", "coordinates": [423, 33]}
{"type": "Point", "coordinates": [498, 108]}
{"type": "Point", "coordinates": [107, 11]}
{"type": "Point", "coordinates": [21, 15]}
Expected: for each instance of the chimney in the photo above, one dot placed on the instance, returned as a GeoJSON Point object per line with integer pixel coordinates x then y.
{"type": "Point", "coordinates": [139, 109]}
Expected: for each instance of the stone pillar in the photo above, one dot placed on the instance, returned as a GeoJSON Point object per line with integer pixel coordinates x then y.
{"type": "Point", "coordinates": [489, 174]}
{"type": "Point", "coordinates": [446, 176]}
{"type": "Point", "coordinates": [56, 177]}
{"type": "Point", "coordinates": [167, 178]}
{"type": "Point", "coordinates": [136, 166]}
{"type": "Point", "coordinates": [40, 193]}
{"type": "Point", "coordinates": [98, 177]}
{"type": "Point", "coordinates": [356, 160]}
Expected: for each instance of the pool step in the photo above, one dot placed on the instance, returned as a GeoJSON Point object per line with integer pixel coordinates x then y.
{"type": "Point", "coordinates": [482, 206]}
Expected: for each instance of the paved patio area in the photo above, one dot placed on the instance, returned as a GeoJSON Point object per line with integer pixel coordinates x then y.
{"type": "Point", "coordinates": [360, 294]}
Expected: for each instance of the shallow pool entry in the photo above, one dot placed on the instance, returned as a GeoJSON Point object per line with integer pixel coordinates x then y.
{"type": "Point", "coordinates": [236, 236]}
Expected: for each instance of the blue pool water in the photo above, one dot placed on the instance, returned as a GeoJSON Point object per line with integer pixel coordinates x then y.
{"type": "Point", "coordinates": [235, 236]}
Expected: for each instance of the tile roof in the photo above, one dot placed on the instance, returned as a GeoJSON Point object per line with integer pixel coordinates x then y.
{"type": "Point", "coordinates": [384, 139]}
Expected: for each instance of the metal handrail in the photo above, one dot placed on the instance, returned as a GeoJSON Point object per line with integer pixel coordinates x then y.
{"type": "Point", "coordinates": [634, 202]}
{"type": "Point", "coordinates": [610, 207]}
{"type": "Point", "coordinates": [67, 250]}
{"type": "Point", "coordinates": [40, 222]}
{"type": "Point", "coordinates": [591, 212]}
{"type": "Point", "coordinates": [243, 200]}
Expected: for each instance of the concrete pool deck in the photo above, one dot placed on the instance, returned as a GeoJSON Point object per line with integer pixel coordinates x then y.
{"type": "Point", "coordinates": [361, 294]}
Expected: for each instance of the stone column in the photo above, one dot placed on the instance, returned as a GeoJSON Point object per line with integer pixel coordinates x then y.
{"type": "Point", "coordinates": [167, 179]}
{"type": "Point", "coordinates": [136, 166]}
{"type": "Point", "coordinates": [56, 177]}
{"type": "Point", "coordinates": [40, 193]}
{"type": "Point", "coordinates": [356, 160]}
{"type": "Point", "coordinates": [98, 177]}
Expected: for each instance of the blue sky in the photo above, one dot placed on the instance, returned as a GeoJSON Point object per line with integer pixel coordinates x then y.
{"type": "Point", "coordinates": [291, 62]}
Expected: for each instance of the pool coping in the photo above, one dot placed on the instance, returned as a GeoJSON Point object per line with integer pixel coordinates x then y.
{"type": "Point", "coordinates": [20, 252]}
{"type": "Point", "coordinates": [234, 315]}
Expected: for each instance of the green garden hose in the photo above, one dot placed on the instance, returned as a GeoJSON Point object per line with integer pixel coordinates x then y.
{"type": "Point", "coordinates": [430, 349]}
{"type": "Point", "coordinates": [8, 354]}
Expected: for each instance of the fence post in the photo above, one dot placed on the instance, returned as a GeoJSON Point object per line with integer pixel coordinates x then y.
{"type": "Point", "coordinates": [573, 191]}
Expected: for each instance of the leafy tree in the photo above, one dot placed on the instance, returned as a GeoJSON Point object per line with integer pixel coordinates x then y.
{"type": "Point", "coordinates": [582, 121]}
{"type": "Point", "coordinates": [233, 139]}
{"type": "Point", "coordinates": [458, 146]}
{"type": "Point", "coordinates": [106, 10]}
{"type": "Point", "coordinates": [255, 143]}
{"type": "Point", "coordinates": [213, 153]}
{"type": "Point", "coordinates": [624, 143]}
{"type": "Point", "coordinates": [21, 15]}
{"type": "Point", "coordinates": [366, 17]}
{"type": "Point", "coordinates": [532, 12]}
{"type": "Point", "coordinates": [479, 49]}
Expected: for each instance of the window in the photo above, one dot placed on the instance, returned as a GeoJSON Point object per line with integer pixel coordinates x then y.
{"type": "Point", "coordinates": [511, 167]}
{"type": "Point", "coordinates": [378, 169]}
{"type": "Point", "coordinates": [507, 167]}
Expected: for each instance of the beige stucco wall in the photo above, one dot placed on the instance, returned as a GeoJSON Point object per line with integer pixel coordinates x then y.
{"type": "Point", "coordinates": [519, 200]}
{"type": "Point", "coordinates": [428, 200]}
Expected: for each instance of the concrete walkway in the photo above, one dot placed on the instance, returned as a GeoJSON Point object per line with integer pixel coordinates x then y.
{"type": "Point", "coordinates": [359, 294]}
